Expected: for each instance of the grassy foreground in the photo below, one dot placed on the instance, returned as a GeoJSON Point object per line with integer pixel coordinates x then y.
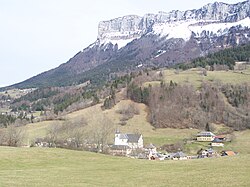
{"type": "Point", "coordinates": [58, 167]}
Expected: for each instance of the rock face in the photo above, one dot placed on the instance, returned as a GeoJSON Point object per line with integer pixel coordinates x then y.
{"type": "Point", "coordinates": [159, 40]}
{"type": "Point", "coordinates": [124, 29]}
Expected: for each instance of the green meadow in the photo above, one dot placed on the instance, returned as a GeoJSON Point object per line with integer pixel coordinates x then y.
{"type": "Point", "coordinates": [61, 167]}
{"type": "Point", "coordinates": [194, 76]}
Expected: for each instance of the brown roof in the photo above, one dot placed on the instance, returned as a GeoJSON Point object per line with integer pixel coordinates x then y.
{"type": "Point", "coordinates": [221, 136]}
{"type": "Point", "coordinates": [230, 153]}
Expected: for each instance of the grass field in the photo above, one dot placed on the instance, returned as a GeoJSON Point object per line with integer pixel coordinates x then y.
{"type": "Point", "coordinates": [61, 167]}
{"type": "Point", "coordinates": [58, 167]}
{"type": "Point", "coordinates": [15, 93]}
{"type": "Point", "coordinates": [241, 142]}
{"type": "Point", "coordinates": [194, 77]}
{"type": "Point", "coordinates": [37, 130]}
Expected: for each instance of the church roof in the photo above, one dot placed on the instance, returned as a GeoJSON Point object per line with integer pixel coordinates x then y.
{"type": "Point", "coordinates": [132, 138]}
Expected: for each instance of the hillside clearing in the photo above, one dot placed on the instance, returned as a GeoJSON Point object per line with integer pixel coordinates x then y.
{"type": "Point", "coordinates": [195, 77]}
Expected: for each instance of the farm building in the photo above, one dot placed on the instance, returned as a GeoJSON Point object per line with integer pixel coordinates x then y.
{"type": "Point", "coordinates": [217, 143]}
{"type": "Point", "coordinates": [205, 136]}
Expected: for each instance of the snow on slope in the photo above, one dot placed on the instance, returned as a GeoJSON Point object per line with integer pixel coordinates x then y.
{"type": "Point", "coordinates": [120, 42]}
{"type": "Point", "coordinates": [159, 53]}
{"type": "Point", "coordinates": [177, 29]}
{"type": "Point", "coordinates": [219, 29]}
{"type": "Point", "coordinates": [184, 29]}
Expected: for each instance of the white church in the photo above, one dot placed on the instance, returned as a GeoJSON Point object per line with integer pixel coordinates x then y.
{"type": "Point", "coordinates": [133, 141]}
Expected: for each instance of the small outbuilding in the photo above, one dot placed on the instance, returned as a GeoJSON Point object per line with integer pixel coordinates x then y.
{"type": "Point", "coordinates": [228, 153]}
{"type": "Point", "coordinates": [217, 143]}
{"type": "Point", "coordinates": [179, 156]}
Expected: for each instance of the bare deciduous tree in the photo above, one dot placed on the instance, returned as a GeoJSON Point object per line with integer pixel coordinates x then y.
{"type": "Point", "coordinates": [14, 135]}
{"type": "Point", "coordinates": [2, 137]}
{"type": "Point", "coordinates": [100, 132]}
{"type": "Point", "coordinates": [53, 134]}
{"type": "Point", "coordinates": [76, 131]}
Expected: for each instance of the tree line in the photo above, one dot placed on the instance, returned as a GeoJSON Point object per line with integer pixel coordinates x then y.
{"type": "Point", "coordinates": [226, 57]}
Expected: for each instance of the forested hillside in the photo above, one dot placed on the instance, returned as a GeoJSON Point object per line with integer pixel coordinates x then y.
{"type": "Point", "coordinates": [226, 57]}
{"type": "Point", "coordinates": [194, 103]}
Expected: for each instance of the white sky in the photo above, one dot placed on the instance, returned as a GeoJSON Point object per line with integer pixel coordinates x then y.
{"type": "Point", "coordinates": [37, 35]}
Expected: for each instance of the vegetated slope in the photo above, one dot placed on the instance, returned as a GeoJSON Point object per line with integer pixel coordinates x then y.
{"type": "Point", "coordinates": [60, 167]}
{"type": "Point", "coordinates": [226, 57]}
{"type": "Point", "coordinates": [55, 99]}
{"type": "Point", "coordinates": [127, 121]}
{"type": "Point", "coordinates": [181, 99]}
{"type": "Point", "coordinates": [137, 123]}
{"type": "Point", "coordinates": [97, 76]}
{"type": "Point", "coordinates": [64, 97]}
{"type": "Point", "coordinates": [195, 100]}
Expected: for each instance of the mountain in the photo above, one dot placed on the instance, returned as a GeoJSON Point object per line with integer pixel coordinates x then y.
{"type": "Point", "coordinates": [161, 39]}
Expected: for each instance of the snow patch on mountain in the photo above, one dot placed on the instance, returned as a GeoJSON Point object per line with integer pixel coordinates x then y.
{"type": "Point", "coordinates": [184, 29]}
{"type": "Point", "coordinates": [218, 28]}
{"type": "Point", "coordinates": [177, 29]}
{"type": "Point", "coordinates": [120, 43]}
{"type": "Point", "coordinates": [160, 52]}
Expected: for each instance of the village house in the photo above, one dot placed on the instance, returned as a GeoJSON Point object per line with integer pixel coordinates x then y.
{"type": "Point", "coordinates": [179, 156]}
{"type": "Point", "coordinates": [156, 156]}
{"type": "Point", "coordinates": [151, 148]}
{"type": "Point", "coordinates": [41, 142]}
{"type": "Point", "coordinates": [205, 137]}
{"type": "Point", "coordinates": [205, 153]}
{"type": "Point", "coordinates": [240, 66]}
{"type": "Point", "coordinates": [152, 153]}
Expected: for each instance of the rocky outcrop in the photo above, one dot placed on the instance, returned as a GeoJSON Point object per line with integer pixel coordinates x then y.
{"type": "Point", "coordinates": [132, 27]}
{"type": "Point", "coordinates": [126, 27]}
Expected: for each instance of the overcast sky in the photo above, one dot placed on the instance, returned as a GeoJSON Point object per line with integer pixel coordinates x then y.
{"type": "Point", "coordinates": [37, 35]}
